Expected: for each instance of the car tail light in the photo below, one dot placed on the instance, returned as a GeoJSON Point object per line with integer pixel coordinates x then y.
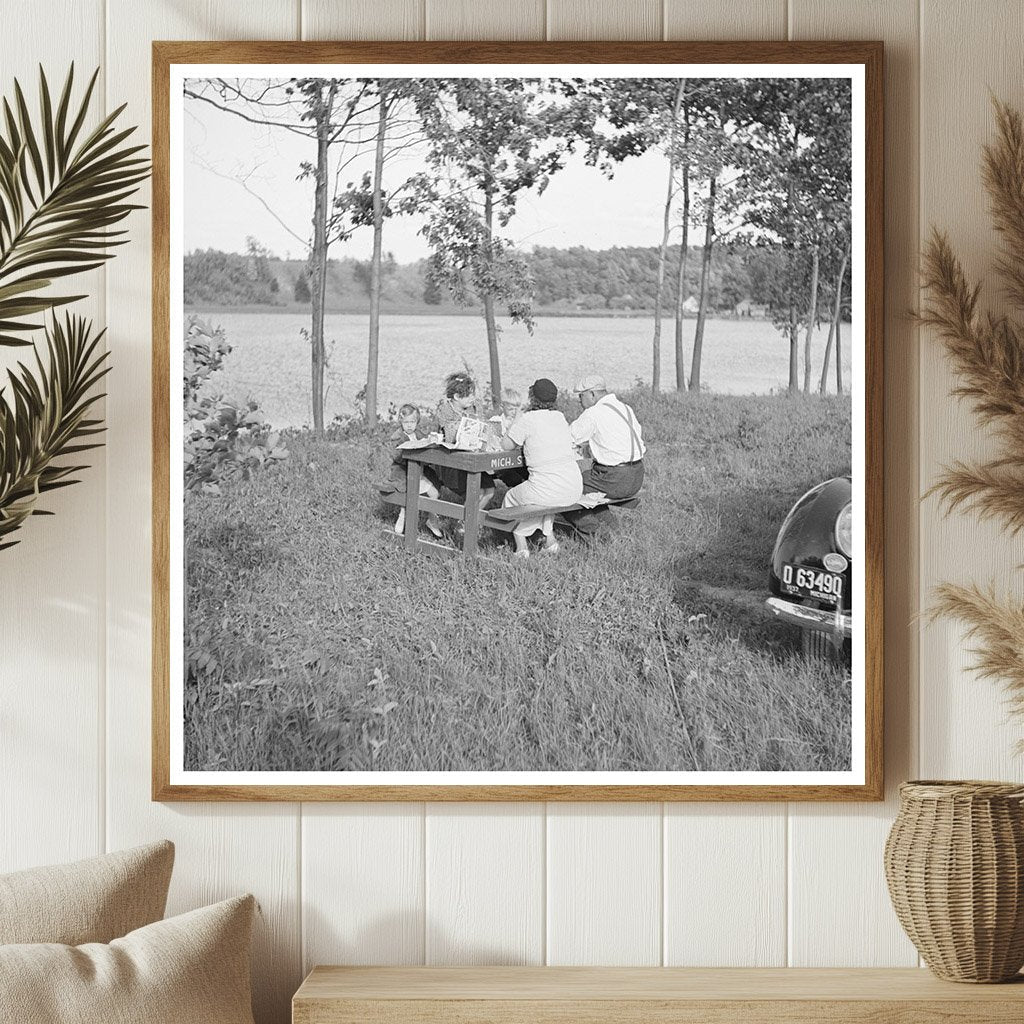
{"type": "Point", "coordinates": [844, 530]}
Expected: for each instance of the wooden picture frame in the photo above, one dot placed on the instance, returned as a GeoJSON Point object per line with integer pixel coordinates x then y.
{"type": "Point", "coordinates": [169, 782]}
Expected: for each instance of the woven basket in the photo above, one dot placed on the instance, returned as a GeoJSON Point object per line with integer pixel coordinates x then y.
{"type": "Point", "coordinates": [954, 861]}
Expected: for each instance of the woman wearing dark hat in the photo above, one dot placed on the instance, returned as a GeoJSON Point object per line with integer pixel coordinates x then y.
{"type": "Point", "coordinates": [554, 476]}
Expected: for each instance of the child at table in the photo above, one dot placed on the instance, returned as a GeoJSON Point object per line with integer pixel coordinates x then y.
{"type": "Point", "coordinates": [511, 403]}
{"type": "Point", "coordinates": [410, 429]}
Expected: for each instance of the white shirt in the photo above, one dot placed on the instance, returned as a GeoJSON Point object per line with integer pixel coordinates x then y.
{"type": "Point", "coordinates": [612, 430]}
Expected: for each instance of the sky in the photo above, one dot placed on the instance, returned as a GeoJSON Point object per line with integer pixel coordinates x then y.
{"type": "Point", "coordinates": [579, 207]}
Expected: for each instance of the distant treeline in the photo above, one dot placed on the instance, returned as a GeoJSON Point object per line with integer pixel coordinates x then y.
{"type": "Point", "coordinates": [575, 279]}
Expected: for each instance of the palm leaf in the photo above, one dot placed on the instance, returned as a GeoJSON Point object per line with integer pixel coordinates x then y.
{"type": "Point", "coordinates": [44, 419]}
{"type": "Point", "coordinates": [62, 191]}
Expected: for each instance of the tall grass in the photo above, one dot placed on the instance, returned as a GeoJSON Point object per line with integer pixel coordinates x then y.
{"type": "Point", "coordinates": [315, 642]}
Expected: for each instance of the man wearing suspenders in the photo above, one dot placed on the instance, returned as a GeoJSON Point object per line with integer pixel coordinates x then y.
{"type": "Point", "coordinates": [611, 429]}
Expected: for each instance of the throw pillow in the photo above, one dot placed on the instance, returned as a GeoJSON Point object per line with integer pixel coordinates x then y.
{"type": "Point", "coordinates": [190, 969]}
{"type": "Point", "coordinates": [92, 900]}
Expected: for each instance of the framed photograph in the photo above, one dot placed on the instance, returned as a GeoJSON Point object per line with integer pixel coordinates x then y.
{"type": "Point", "coordinates": [517, 421]}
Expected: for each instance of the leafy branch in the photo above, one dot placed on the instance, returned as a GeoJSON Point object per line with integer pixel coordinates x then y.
{"type": "Point", "coordinates": [63, 190]}
{"type": "Point", "coordinates": [46, 418]}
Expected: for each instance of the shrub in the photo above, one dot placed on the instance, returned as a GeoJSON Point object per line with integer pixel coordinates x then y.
{"type": "Point", "coordinates": [223, 439]}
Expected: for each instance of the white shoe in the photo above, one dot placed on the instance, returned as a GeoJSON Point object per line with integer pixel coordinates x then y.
{"type": "Point", "coordinates": [434, 526]}
{"type": "Point", "coordinates": [523, 554]}
{"type": "Point", "coordinates": [552, 549]}
{"type": "Point", "coordinates": [400, 523]}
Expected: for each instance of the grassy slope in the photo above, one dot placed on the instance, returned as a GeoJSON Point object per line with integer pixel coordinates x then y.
{"type": "Point", "coordinates": [319, 644]}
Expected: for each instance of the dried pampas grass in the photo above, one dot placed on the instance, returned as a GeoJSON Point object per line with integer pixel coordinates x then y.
{"type": "Point", "coordinates": [987, 354]}
{"type": "Point", "coordinates": [996, 629]}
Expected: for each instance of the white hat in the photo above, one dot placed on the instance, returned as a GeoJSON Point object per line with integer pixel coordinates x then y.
{"type": "Point", "coordinates": [594, 382]}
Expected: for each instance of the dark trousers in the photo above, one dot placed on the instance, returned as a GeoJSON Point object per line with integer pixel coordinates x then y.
{"type": "Point", "coordinates": [617, 482]}
{"type": "Point", "coordinates": [400, 474]}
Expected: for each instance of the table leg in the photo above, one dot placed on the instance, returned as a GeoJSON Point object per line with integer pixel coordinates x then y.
{"type": "Point", "coordinates": [472, 521]}
{"type": "Point", "coordinates": [412, 504]}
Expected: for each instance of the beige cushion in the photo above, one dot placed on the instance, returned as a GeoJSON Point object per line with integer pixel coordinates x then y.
{"type": "Point", "coordinates": [191, 969]}
{"type": "Point", "coordinates": [93, 900]}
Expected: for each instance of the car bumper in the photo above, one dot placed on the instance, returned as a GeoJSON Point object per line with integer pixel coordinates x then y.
{"type": "Point", "coordinates": [835, 622]}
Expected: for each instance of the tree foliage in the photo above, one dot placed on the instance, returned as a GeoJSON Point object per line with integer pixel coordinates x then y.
{"type": "Point", "coordinates": [489, 141]}
{"type": "Point", "coordinates": [62, 191]}
{"type": "Point", "coordinates": [224, 439]}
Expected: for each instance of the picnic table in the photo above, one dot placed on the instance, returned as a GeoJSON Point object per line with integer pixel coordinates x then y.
{"type": "Point", "coordinates": [474, 464]}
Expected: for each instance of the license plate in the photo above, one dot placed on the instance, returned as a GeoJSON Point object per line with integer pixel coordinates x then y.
{"type": "Point", "coordinates": [804, 581]}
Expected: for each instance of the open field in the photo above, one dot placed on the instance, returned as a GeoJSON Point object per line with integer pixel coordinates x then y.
{"type": "Point", "coordinates": [316, 642]}
{"type": "Point", "coordinates": [270, 360]}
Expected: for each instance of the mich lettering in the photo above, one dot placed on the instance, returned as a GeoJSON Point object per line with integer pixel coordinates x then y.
{"type": "Point", "coordinates": [504, 462]}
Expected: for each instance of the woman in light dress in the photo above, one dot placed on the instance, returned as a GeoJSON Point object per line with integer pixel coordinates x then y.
{"type": "Point", "coordinates": [554, 475]}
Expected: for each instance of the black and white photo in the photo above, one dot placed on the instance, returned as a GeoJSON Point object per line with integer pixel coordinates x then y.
{"type": "Point", "coordinates": [524, 425]}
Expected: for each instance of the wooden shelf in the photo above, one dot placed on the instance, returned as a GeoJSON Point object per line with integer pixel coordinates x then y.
{"type": "Point", "coordinates": [632, 995]}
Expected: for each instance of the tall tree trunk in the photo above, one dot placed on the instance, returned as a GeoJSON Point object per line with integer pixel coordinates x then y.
{"type": "Point", "coordinates": [492, 329]}
{"type": "Point", "coordinates": [684, 248]}
{"type": "Point", "coordinates": [318, 257]}
{"type": "Point", "coordinates": [665, 229]}
{"type": "Point", "coordinates": [705, 273]}
{"type": "Point", "coordinates": [833, 327]}
{"type": "Point", "coordinates": [839, 354]}
{"type": "Point", "coordinates": [375, 275]}
{"type": "Point", "coordinates": [791, 260]}
{"type": "Point", "coordinates": [794, 349]}
{"type": "Point", "coordinates": [812, 316]}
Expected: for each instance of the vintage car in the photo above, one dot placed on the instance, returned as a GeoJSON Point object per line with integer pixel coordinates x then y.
{"type": "Point", "coordinates": [810, 573]}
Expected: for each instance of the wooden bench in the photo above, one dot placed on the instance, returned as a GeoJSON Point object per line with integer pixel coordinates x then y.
{"type": "Point", "coordinates": [508, 518]}
{"type": "Point", "coordinates": [647, 995]}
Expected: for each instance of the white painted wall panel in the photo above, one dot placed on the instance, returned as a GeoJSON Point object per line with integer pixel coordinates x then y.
{"type": "Point", "coordinates": [223, 849]}
{"type": "Point", "coordinates": [604, 877]}
{"type": "Point", "coordinates": [725, 19]}
{"type": "Point", "coordinates": [725, 867]}
{"type": "Point", "coordinates": [604, 19]}
{"type": "Point", "coordinates": [363, 19]}
{"type": "Point", "coordinates": [835, 853]}
{"type": "Point", "coordinates": [485, 883]}
{"type": "Point", "coordinates": [967, 50]}
{"type": "Point", "coordinates": [52, 616]}
{"type": "Point", "coordinates": [725, 885]}
{"type": "Point", "coordinates": [485, 19]}
{"type": "Point", "coordinates": [362, 884]}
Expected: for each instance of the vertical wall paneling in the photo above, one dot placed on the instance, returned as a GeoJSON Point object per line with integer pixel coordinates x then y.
{"type": "Point", "coordinates": [604, 884]}
{"type": "Point", "coordinates": [363, 874]}
{"type": "Point", "coordinates": [639, 884]}
{"type": "Point", "coordinates": [604, 19]}
{"type": "Point", "coordinates": [362, 884]}
{"type": "Point", "coordinates": [222, 849]}
{"type": "Point", "coordinates": [836, 851]}
{"type": "Point", "coordinates": [725, 885]}
{"type": "Point", "coordinates": [473, 916]}
{"type": "Point", "coordinates": [485, 884]}
{"type": "Point", "coordinates": [966, 51]}
{"type": "Point", "coordinates": [485, 19]}
{"type": "Point", "coordinates": [365, 19]}
{"type": "Point", "coordinates": [725, 19]}
{"type": "Point", "coordinates": [736, 913]}
{"type": "Point", "coordinates": [51, 583]}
